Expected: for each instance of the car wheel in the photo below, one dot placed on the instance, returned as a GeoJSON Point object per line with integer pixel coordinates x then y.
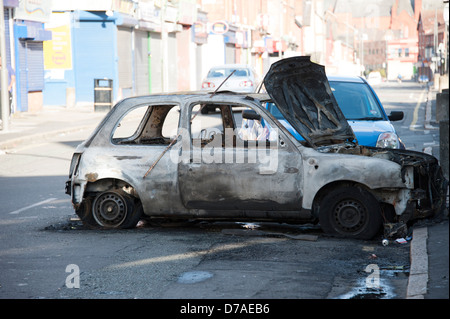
{"type": "Point", "coordinates": [350, 212]}
{"type": "Point", "coordinates": [84, 212]}
{"type": "Point", "coordinates": [135, 216]}
{"type": "Point", "coordinates": [115, 209]}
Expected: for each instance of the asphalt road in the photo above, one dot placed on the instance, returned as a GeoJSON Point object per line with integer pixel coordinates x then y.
{"type": "Point", "coordinates": [45, 253]}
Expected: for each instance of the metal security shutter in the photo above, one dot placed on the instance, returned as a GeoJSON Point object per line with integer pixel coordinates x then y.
{"type": "Point", "coordinates": [94, 56]}
{"type": "Point", "coordinates": [141, 61]}
{"type": "Point", "coordinates": [22, 77]}
{"type": "Point", "coordinates": [31, 72]}
{"type": "Point", "coordinates": [35, 64]}
{"type": "Point", "coordinates": [125, 66]}
{"type": "Point", "coordinates": [230, 53]}
{"type": "Point", "coordinates": [7, 39]}
{"type": "Point", "coordinates": [173, 57]}
{"type": "Point", "coordinates": [155, 51]}
{"type": "Point", "coordinates": [156, 62]}
{"type": "Point", "coordinates": [7, 36]}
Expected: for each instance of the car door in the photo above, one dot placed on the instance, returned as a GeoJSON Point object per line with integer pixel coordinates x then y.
{"type": "Point", "coordinates": [142, 140]}
{"type": "Point", "coordinates": [228, 171]}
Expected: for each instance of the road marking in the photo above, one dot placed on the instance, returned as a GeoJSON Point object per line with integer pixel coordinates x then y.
{"type": "Point", "coordinates": [194, 254]}
{"type": "Point", "coordinates": [31, 206]}
{"type": "Point", "coordinates": [413, 125]}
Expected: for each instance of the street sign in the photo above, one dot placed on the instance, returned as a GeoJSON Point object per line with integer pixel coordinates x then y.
{"type": "Point", "coordinates": [219, 27]}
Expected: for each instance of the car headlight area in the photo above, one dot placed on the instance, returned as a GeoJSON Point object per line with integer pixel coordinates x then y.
{"type": "Point", "coordinates": [388, 140]}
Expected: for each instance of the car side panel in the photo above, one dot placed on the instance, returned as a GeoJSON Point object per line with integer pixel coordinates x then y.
{"type": "Point", "coordinates": [323, 169]}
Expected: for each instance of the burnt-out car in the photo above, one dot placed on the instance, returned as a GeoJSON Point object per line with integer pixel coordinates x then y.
{"type": "Point", "coordinates": [158, 156]}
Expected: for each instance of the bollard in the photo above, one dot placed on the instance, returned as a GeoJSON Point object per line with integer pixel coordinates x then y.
{"type": "Point", "coordinates": [70, 97]}
{"type": "Point", "coordinates": [443, 146]}
{"type": "Point", "coordinates": [442, 106]}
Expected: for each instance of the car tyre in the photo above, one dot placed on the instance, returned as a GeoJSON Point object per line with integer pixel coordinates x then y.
{"type": "Point", "coordinates": [135, 216]}
{"type": "Point", "coordinates": [116, 209]}
{"type": "Point", "coordinates": [84, 212]}
{"type": "Point", "coordinates": [350, 212]}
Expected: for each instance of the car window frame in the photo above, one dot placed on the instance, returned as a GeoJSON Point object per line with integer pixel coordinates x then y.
{"type": "Point", "coordinates": [141, 126]}
{"type": "Point", "coordinates": [267, 116]}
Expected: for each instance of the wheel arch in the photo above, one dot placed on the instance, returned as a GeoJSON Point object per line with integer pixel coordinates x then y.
{"type": "Point", "coordinates": [126, 193]}
{"type": "Point", "coordinates": [104, 184]}
{"type": "Point", "coordinates": [331, 186]}
{"type": "Point", "coordinates": [387, 209]}
{"type": "Point", "coordinates": [349, 209]}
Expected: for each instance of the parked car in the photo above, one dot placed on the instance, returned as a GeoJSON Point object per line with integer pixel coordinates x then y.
{"type": "Point", "coordinates": [363, 111]}
{"type": "Point", "coordinates": [243, 79]}
{"type": "Point", "coordinates": [157, 156]}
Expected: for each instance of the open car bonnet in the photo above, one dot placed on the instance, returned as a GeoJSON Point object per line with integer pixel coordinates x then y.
{"type": "Point", "coordinates": [301, 91]}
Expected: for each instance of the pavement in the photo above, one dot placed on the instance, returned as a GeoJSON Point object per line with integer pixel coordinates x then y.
{"type": "Point", "coordinates": [26, 127]}
{"type": "Point", "coordinates": [429, 254]}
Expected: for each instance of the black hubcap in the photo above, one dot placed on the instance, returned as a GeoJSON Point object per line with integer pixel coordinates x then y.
{"type": "Point", "coordinates": [110, 209]}
{"type": "Point", "coordinates": [350, 215]}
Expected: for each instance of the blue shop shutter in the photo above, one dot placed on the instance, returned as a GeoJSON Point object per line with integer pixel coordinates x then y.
{"type": "Point", "coordinates": [35, 63]}
{"type": "Point", "coordinates": [94, 56]}
{"type": "Point", "coordinates": [22, 77]}
{"type": "Point", "coordinates": [7, 37]}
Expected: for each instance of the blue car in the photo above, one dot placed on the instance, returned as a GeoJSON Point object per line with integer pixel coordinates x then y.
{"type": "Point", "coordinates": [363, 111]}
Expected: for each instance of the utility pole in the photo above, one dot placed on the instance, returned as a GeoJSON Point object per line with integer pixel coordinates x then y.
{"type": "Point", "coordinates": [4, 73]}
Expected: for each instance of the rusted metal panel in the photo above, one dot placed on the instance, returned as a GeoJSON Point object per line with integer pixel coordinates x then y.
{"type": "Point", "coordinates": [303, 95]}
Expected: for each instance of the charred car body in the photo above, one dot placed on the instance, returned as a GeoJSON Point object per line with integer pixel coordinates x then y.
{"type": "Point", "coordinates": [174, 162]}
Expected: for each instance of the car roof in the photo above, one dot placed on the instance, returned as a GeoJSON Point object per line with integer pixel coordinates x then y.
{"type": "Point", "coordinates": [230, 66]}
{"type": "Point", "coordinates": [188, 94]}
{"type": "Point", "coordinates": [345, 78]}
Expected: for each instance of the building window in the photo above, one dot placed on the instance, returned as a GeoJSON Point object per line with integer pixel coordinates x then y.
{"type": "Point", "coordinates": [400, 52]}
{"type": "Point", "coordinates": [406, 52]}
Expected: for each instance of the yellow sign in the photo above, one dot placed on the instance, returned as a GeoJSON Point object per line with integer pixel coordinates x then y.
{"type": "Point", "coordinates": [58, 51]}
